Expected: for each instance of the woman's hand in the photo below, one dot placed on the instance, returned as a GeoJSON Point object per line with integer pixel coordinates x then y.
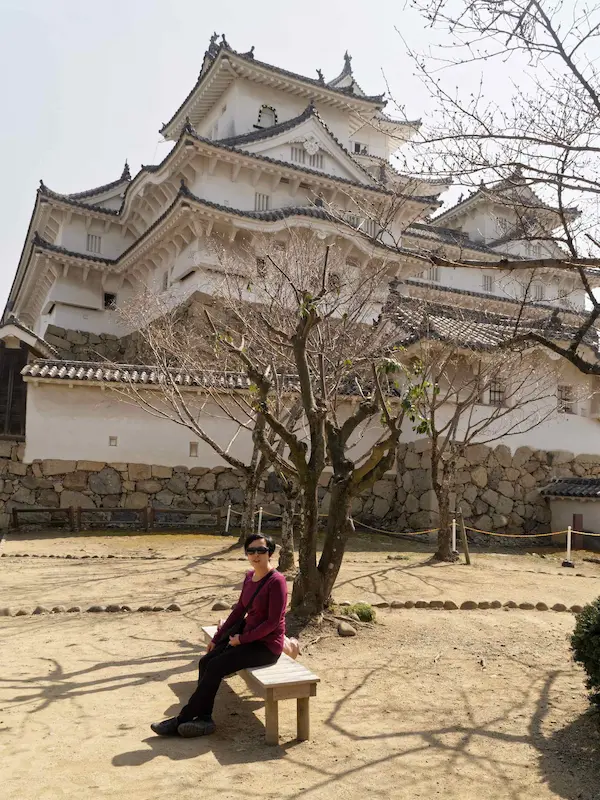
{"type": "Point", "coordinates": [234, 641]}
{"type": "Point", "coordinates": [210, 647]}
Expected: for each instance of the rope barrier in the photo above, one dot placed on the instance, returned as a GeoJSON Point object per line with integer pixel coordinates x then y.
{"type": "Point", "coordinates": [395, 533]}
{"type": "Point", "coordinates": [512, 535]}
{"type": "Point", "coordinates": [569, 531]}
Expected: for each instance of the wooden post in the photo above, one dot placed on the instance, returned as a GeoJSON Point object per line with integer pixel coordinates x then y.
{"type": "Point", "coordinates": [463, 537]}
{"type": "Point", "coordinates": [303, 723]}
{"type": "Point", "coordinates": [271, 719]}
{"type": "Point", "coordinates": [146, 518]}
{"type": "Point", "coordinates": [15, 518]}
{"type": "Point", "coordinates": [72, 521]}
{"type": "Point", "coordinates": [78, 515]}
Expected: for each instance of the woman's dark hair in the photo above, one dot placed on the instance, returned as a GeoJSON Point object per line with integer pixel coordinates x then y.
{"type": "Point", "coordinates": [255, 536]}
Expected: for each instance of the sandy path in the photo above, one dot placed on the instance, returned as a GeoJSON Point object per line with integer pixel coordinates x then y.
{"type": "Point", "coordinates": [406, 710]}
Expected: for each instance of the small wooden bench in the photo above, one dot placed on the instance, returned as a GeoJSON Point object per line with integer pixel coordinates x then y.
{"type": "Point", "coordinates": [284, 680]}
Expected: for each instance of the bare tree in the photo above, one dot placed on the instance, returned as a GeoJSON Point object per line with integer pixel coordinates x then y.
{"type": "Point", "coordinates": [299, 320]}
{"type": "Point", "coordinates": [216, 405]}
{"type": "Point", "coordinates": [538, 149]}
{"type": "Point", "coordinates": [475, 393]}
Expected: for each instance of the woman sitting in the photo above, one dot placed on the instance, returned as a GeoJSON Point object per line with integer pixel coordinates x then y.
{"type": "Point", "coordinates": [252, 636]}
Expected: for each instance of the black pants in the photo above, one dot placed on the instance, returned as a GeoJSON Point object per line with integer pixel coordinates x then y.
{"type": "Point", "coordinates": [215, 666]}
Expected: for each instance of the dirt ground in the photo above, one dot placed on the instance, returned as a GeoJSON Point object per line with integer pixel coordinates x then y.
{"type": "Point", "coordinates": [426, 704]}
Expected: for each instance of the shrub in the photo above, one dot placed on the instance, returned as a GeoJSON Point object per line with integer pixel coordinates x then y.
{"type": "Point", "coordinates": [585, 643]}
{"type": "Point", "coordinates": [363, 611]}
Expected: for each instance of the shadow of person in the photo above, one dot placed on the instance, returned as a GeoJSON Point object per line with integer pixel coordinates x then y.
{"type": "Point", "coordinates": [570, 759]}
{"type": "Point", "coordinates": [239, 738]}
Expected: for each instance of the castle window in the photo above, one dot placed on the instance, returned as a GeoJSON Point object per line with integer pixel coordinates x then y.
{"type": "Point", "coordinates": [298, 155]}
{"type": "Point", "coordinates": [316, 161]}
{"type": "Point", "coordinates": [94, 243]}
{"type": "Point", "coordinates": [564, 397]}
{"type": "Point", "coordinates": [267, 117]}
{"type": "Point", "coordinates": [360, 149]}
{"type": "Point", "coordinates": [497, 393]}
{"type": "Point", "coordinates": [488, 284]}
{"type": "Point", "coordinates": [433, 274]}
{"type": "Point", "coordinates": [539, 292]}
{"type": "Point", "coordinates": [262, 202]}
{"type": "Point", "coordinates": [193, 449]}
{"type": "Point", "coordinates": [110, 301]}
{"type": "Point", "coordinates": [13, 391]}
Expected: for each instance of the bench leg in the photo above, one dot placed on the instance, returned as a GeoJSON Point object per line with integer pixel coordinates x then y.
{"type": "Point", "coordinates": [272, 722]}
{"type": "Point", "coordinates": [303, 711]}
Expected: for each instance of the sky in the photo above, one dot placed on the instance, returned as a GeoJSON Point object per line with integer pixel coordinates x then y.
{"type": "Point", "coordinates": [85, 86]}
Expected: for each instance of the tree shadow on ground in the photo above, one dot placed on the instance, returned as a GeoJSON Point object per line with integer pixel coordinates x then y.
{"type": "Point", "coordinates": [570, 759]}
{"type": "Point", "coordinates": [239, 738]}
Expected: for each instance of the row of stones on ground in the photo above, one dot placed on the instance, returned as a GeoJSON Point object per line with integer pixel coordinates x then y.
{"type": "Point", "coordinates": [96, 609]}
{"type": "Point", "coordinates": [469, 605]}
{"type": "Point", "coordinates": [122, 558]}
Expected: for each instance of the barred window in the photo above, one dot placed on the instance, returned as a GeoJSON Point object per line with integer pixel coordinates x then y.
{"type": "Point", "coordinates": [262, 202]}
{"type": "Point", "coordinates": [565, 403]}
{"type": "Point", "coordinates": [316, 161]}
{"type": "Point", "coordinates": [433, 274]}
{"type": "Point", "coordinates": [299, 155]}
{"type": "Point", "coordinates": [94, 243]}
{"type": "Point", "coordinates": [497, 393]}
{"type": "Point", "coordinates": [539, 292]}
{"type": "Point", "coordinates": [488, 284]}
{"type": "Point", "coordinates": [261, 266]}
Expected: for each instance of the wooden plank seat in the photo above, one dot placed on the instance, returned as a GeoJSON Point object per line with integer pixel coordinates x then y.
{"type": "Point", "coordinates": [201, 511]}
{"type": "Point", "coordinates": [284, 680]}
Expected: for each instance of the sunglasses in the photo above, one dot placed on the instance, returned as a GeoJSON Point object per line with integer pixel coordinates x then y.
{"type": "Point", "coordinates": [262, 550]}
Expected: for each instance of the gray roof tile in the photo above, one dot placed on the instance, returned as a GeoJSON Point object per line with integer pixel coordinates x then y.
{"type": "Point", "coordinates": [572, 487]}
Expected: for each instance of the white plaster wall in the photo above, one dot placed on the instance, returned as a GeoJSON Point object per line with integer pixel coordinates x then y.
{"type": "Point", "coordinates": [74, 237]}
{"type": "Point", "coordinates": [243, 104]}
{"type": "Point", "coordinates": [562, 516]}
{"type": "Point", "coordinates": [376, 141]}
{"type": "Point", "coordinates": [75, 424]}
{"type": "Point", "coordinates": [576, 433]}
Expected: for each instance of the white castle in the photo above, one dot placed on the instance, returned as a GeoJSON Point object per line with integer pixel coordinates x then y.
{"type": "Point", "coordinates": [256, 149]}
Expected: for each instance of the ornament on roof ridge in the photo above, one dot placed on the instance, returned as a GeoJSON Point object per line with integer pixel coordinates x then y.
{"type": "Point", "coordinates": [126, 174]}
{"type": "Point", "coordinates": [249, 54]}
{"type": "Point", "coordinates": [188, 127]}
{"type": "Point", "coordinates": [212, 45]}
{"type": "Point", "coordinates": [320, 76]}
{"type": "Point", "coordinates": [224, 42]}
{"type": "Point", "coordinates": [347, 64]}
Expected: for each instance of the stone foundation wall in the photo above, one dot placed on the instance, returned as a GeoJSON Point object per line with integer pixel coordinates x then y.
{"type": "Point", "coordinates": [85, 346]}
{"type": "Point", "coordinates": [497, 490]}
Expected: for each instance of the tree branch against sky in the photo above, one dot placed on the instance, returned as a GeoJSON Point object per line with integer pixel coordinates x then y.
{"type": "Point", "coordinates": [545, 137]}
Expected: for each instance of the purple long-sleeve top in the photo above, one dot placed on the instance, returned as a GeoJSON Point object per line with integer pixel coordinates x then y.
{"type": "Point", "coordinates": [265, 621]}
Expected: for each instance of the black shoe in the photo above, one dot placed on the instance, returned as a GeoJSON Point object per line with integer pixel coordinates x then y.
{"type": "Point", "coordinates": [197, 727]}
{"type": "Point", "coordinates": [168, 727]}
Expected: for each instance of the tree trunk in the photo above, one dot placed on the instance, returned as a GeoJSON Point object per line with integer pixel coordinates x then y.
{"type": "Point", "coordinates": [307, 595]}
{"type": "Point", "coordinates": [444, 539]}
{"type": "Point", "coordinates": [248, 509]}
{"type": "Point", "coordinates": [339, 527]}
{"type": "Point", "coordinates": [286, 554]}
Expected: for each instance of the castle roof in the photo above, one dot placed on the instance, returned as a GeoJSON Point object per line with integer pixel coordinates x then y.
{"type": "Point", "coordinates": [246, 65]}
